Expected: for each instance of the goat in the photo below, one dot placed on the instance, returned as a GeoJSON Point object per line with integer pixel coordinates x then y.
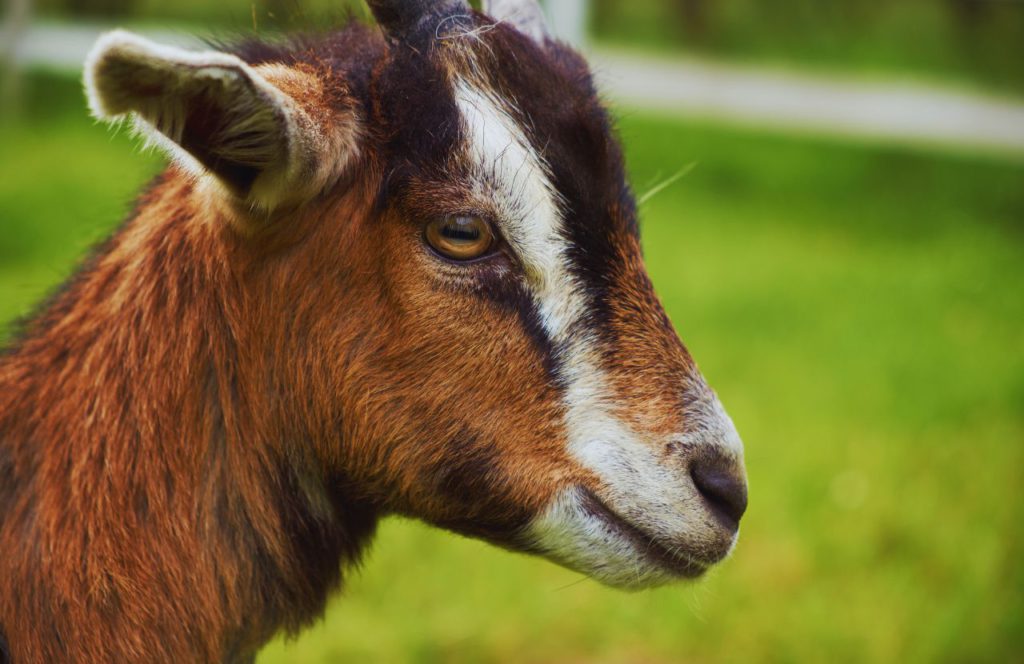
{"type": "Point", "coordinates": [389, 271]}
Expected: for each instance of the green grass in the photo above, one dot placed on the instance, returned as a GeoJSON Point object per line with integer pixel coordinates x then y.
{"type": "Point", "coordinates": [859, 309]}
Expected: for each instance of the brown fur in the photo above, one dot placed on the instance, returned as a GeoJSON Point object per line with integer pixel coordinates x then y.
{"type": "Point", "coordinates": [214, 400]}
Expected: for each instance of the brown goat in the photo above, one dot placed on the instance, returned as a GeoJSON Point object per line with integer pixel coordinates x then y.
{"type": "Point", "coordinates": [388, 272]}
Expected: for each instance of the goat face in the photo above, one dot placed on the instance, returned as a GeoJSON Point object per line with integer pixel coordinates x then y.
{"type": "Point", "coordinates": [468, 331]}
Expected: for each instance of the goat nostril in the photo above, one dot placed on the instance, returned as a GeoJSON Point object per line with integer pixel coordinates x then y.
{"type": "Point", "coordinates": [723, 489]}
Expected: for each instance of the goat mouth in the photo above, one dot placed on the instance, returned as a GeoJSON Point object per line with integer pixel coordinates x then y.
{"type": "Point", "coordinates": [660, 555]}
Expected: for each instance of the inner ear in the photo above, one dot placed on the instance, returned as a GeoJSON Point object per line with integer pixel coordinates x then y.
{"type": "Point", "coordinates": [235, 136]}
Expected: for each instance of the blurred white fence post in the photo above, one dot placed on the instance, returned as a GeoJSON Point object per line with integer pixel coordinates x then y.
{"type": "Point", "coordinates": [11, 34]}
{"type": "Point", "coordinates": [568, 20]}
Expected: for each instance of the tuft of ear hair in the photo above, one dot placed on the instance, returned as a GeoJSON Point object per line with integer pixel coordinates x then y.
{"type": "Point", "coordinates": [217, 116]}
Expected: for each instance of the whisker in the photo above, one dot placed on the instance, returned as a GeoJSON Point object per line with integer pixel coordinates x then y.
{"type": "Point", "coordinates": [665, 184]}
{"type": "Point", "coordinates": [570, 585]}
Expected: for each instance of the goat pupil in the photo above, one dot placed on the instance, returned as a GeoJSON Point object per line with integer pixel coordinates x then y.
{"type": "Point", "coordinates": [461, 231]}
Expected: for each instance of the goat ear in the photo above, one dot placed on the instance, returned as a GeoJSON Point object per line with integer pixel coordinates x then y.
{"type": "Point", "coordinates": [218, 116]}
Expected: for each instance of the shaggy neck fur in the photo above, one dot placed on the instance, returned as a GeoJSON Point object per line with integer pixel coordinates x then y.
{"type": "Point", "coordinates": [158, 498]}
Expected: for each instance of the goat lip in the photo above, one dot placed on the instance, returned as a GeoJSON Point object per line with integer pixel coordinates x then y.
{"type": "Point", "coordinates": [650, 547]}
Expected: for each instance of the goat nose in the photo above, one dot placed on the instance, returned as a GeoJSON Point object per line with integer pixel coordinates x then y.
{"type": "Point", "coordinates": [724, 489]}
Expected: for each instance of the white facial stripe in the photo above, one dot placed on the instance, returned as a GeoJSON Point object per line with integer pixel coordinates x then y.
{"type": "Point", "coordinates": [647, 492]}
{"type": "Point", "coordinates": [532, 219]}
{"type": "Point", "coordinates": [512, 175]}
{"type": "Point", "coordinates": [517, 179]}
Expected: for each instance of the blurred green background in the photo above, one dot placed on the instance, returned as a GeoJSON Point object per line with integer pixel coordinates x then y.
{"type": "Point", "coordinates": [859, 307]}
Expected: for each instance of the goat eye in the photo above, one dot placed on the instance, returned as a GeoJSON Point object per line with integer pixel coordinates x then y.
{"type": "Point", "coordinates": [460, 238]}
